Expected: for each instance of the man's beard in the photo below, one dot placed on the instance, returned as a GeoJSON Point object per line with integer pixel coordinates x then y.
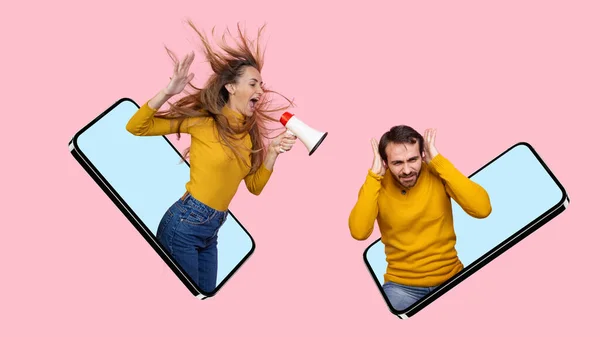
{"type": "Point", "coordinates": [411, 182]}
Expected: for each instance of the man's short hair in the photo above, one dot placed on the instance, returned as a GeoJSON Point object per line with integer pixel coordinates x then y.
{"type": "Point", "coordinates": [399, 134]}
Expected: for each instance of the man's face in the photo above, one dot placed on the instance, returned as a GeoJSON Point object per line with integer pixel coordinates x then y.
{"type": "Point", "coordinates": [404, 162]}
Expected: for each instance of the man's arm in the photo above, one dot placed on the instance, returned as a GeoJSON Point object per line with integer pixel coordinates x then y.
{"type": "Point", "coordinates": [365, 211]}
{"type": "Point", "coordinates": [363, 215]}
{"type": "Point", "coordinates": [471, 197]}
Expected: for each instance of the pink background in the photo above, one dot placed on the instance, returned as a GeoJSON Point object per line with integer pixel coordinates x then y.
{"type": "Point", "coordinates": [485, 75]}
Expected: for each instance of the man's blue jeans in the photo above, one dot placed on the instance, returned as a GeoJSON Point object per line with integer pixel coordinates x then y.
{"type": "Point", "coordinates": [188, 231]}
{"type": "Point", "coordinates": [402, 297]}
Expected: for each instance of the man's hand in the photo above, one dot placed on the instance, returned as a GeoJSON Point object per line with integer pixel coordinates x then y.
{"type": "Point", "coordinates": [378, 164]}
{"type": "Point", "coordinates": [429, 144]}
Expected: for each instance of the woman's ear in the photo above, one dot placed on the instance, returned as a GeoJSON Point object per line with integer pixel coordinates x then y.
{"type": "Point", "coordinates": [230, 88]}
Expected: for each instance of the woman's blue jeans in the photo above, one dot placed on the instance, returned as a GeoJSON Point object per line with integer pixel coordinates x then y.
{"type": "Point", "coordinates": [188, 231]}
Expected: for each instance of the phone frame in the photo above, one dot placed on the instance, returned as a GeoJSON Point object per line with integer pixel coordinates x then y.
{"type": "Point", "coordinates": [490, 255]}
{"type": "Point", "coordinates": [136, 221]}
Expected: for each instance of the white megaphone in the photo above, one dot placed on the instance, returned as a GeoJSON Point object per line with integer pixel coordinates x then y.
{"type": "Point", "coordinates": [307, 135]}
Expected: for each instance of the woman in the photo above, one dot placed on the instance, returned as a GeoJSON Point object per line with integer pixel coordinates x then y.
{"type": "Point", "coordinates": [226, 122]}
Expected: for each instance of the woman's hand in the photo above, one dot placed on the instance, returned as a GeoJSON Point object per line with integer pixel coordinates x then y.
{"type": "Point", "coordinates": [178, 82]}
{"type": "Point", "coordinates": [180, 78]}
{"type": "Point", "coordinates": [282, 143]}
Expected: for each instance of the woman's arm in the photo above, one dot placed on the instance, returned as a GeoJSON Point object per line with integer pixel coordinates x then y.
{"type": "Point", "coordinates": [143, 122]}
{"type": "Point", "coordinates": [257, 181]}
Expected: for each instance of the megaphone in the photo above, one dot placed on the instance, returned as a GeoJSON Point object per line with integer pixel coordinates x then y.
{"type": "Point", "coordinates": [310, 137]}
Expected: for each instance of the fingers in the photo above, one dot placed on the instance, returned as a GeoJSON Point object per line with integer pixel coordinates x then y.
{"type": "Point", "coordinates": [289, 135]}
{"type": "Point", "coordinates": [182, 67]}
{"type": "Point", "coordinates": [375, 147]}
{"type": "Point", "coordinates": [287, 143]}
{"type": "Point", "coordinates": [180, 64]}
{"type": "Point", "coordinates": [190, 78]}
{"type": "Point", "coordinates": [187, 62]}
{"type": "Point", "coordinates": [285, 147]}
{"type": "Point", "coordinates": [426, 145]}
{"type": "Point", "coordinates": [175, 68]}
{"type": "Point", "coordinates": [429, 149]}
{"type": "Point", "coordinates": [429, 136]}
{"type": "Point", "coordinates": [284, 142]}
{"type": "Point", "coordinates": [378, 164]}
{"type": "Point", "coordinates": [286, 135]}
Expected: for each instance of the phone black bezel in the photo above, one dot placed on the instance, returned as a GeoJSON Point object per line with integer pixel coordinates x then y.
{"type": "Point", "coordinates": [136, 221]}
{"type": "Point", "coordinates": [490, 255]}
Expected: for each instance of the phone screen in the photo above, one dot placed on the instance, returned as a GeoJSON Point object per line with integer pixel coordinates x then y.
{"type": "Point", "coordinates": [524, 195]}
{"type": "Point", "coordinates": [144, 176]}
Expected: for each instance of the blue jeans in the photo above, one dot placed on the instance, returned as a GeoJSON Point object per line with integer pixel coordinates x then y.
{"type": "Point", "coordinates": [188, 231]}
{"type": "Point", "coordinates": [402, 297]}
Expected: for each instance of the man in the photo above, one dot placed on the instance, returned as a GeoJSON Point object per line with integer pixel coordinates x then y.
{"type": "Point", "coordinates": [408, 191]}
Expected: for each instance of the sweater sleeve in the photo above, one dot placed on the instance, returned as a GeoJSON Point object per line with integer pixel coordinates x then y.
{"type": "Point", "coordinates": [365, 211]}
{"type": "Point", "coordinates": [470, 196]}
{"type": "Point", "coordinates": [257, 181]}
{"type": "Point", "coordinates": [143, 123]}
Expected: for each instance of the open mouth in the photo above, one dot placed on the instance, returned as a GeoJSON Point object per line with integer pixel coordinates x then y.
{"type": "Point", "coordinates": [253, 102]}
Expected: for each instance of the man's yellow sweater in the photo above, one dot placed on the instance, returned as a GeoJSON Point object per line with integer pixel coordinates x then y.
{"type": "Point", "coordinates": [215, 174]}
{"type": "Point", "coordinates": [417, 227]}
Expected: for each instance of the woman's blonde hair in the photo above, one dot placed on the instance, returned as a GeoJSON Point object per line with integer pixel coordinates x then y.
{"type": "Point", "coordinates": [227, 67]}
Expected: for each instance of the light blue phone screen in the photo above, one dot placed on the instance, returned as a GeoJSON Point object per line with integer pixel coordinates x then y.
{"type": "Point", "coordinates": [520, 190]}
{"type": "Point", "coordinates": [147, 173]}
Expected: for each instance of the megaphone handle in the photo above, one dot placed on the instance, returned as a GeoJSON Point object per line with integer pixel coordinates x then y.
{"type": "Point", "coordinates": [290, 132]}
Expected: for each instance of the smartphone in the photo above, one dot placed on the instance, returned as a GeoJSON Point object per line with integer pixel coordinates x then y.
{"type": "Point", "coordinates": [524, 194]}
{"type": "Point", "coordinates": [144, 176]}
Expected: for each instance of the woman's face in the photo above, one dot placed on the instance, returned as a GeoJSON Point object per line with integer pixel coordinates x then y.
{"type": "Point", "coordinates": [244, 94]}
